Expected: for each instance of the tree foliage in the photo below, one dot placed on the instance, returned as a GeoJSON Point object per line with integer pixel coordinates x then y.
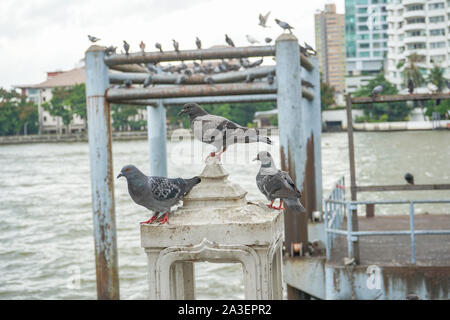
{"type": "Point", "coordinates": [326, 95]}
{"type": "Point", "coordinates": [436, 77]}
{"type": "Point", "coordinates": [411, 71]}
{"type": "Point", "coordinates": [123, 117]}
{"type": "Point", "coordinates": [16, 113]}
{"type": "Point", "coordinates": [375, 112]}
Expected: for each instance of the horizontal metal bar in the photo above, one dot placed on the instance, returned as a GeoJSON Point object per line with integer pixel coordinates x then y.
{"type": "Point", "coordinates": [387, 201]}
{"type": "Point", "coordinates": [400, 97]}
{"type": "Point", "coordinates": [205, 100]}
{"type": "Point", "coordinates": [388, 233]}
{"type": "Point", "coordinates": [403, 187]}
{"type": "Point", "coordinates": [129, 68]}
{"type": "Point", "coordinates": [342, 232]}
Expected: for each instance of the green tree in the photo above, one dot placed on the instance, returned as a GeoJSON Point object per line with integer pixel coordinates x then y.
{"type": "Point", "coordinates": [373, 112]}
{"type": "Point", "coordinates": [443, 108]}
{"type": "Point", "coordinates": [411, 71]}
{"type": "Point", "coordinates": [122, 117]}
{"type": "Point", "coordinates": [16, 113]}
{"type": "Point", "coordinates": [326, 95]}
{"type": "Point", "coordinates": [436, 77]}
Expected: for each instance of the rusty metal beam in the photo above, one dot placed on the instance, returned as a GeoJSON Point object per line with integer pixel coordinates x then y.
{"type": "Point", "coordinates": [400, 97]}
{"type": "Point", "coordinates": [403, 187]}
{"type": "Point", "coordinates": [129, 68]}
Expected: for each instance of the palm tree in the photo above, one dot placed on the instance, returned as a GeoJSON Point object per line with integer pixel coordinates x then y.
{"type": "Point", "coordinates": [411, 71]}
{"type": "Point", "coordinates": [436, 77]}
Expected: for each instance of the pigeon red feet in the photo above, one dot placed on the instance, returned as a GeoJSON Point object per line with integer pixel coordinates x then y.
{"type": "Point", "coordinates": [149, 220]}
{"type": "Point", "coordinates": [271, 205]}
{"type": "Point", "coordinates": [279, 207]}
{"type": "Point", "coordinates": [165, 219]}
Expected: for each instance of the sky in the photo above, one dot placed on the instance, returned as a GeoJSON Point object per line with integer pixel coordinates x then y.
{"type": "Point", "coordinates": [47, 35]}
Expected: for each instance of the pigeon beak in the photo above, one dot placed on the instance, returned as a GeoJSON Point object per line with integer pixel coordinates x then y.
{"type": "Point", "coordinates": [255, 159]}
{"type": "Point", "coordinates": [120, 175]}
{"type": "Point", "coordinates": [181, 112]}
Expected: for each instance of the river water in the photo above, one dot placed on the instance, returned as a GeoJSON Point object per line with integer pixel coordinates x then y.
{"type": "Point", "coordinates": [46, 236]}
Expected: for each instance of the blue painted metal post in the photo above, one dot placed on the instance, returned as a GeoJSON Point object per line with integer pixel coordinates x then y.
{"type": "Point", "coordinates": [99, 128]}
{"type": "Point", "coordinates": [156, 119]}
{"type": "Point", "coordinates": [292, 135]}
{"type": "Point", "coordinates": [350, 249]}
{"type": "Point", "coordinates": [413, 235]}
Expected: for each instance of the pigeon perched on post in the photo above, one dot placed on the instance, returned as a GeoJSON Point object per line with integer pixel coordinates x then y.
{"type": "Point", "coordinates": [158, 46]}
{"type": "Point", "coordinates": [263, 19]}
{"type": "Point", "coordinates": [198, 43]}
{"type": "Point", "coordinates": [410, 86]}
{"type": "Point", "coordinates": [126, 47]}
{"type": "Point", "coordinates": [219, 131]}
{"type": "Point", "coordinates": [176, 45]}
{"type": "Point", "coordinates": [251, 39]}
{"type": "Point", "coordinates": [409, 178]}
{"type": "Point", "coordinates": [284, 25]}
{"type": "Point", "coordinates": [142, 47]}
{"type": "Point", "coordinates": [229, 41]}
{"type": "Point", "coordinates": [93, 39]}
{"type": "Point", "coordinates": [377, 90]}
{"type": "Point", "coordinates": [158, 194]}
{"type": "Point", "coordinates": [276, 184]}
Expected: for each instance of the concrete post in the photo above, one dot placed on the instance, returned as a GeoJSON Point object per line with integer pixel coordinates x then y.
{"type": "Point", "coordinates": [156, 119]}
{"type": "Point", "coordinates": [99, 132]}
{"type": "Point", "coordinates": [292, 135]}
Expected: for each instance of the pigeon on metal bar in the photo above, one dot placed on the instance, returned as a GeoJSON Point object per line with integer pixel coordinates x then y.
{"type": "Point", "coordinates": [142, 47]}
{"type": "Point", "coordinates": [251, 39]}
{"type": "Point", "coordinates": [148, 81]}
{"type": "Point", "coordinates": [256, 63]}
{"type": "Point", "coordinates": [410, 86]}
{"type": "Point", "coordinates": [244, 62]}
{"type": "Point", "coordinates": [268, 40]}
{"type": "Point", "coordinates": [198, 43]}
{"type": "Point", "coordinates": [181, 79]}
{"type": "Point", "coordinates": [219, 131]}
{"type": "Point", "coordinates": [263, 20]}
{"type": "Point", "coordinates": [284, 25]}
{"type": "Point", "coordinates": [158, 46]}
{"type": "Point", "coordinates": [229, 41]}
{"type": "Point", "coordinates": [250, 78]}
{"type": "Point", "coordinates": [93, 39]}
{"type": "Point", "coordinates": [270, 78]}
{"type": "Point", "coordinates": [126, 47]}
{"type": "Point", "coordinates": [176, 45]}
{"type": "Point", "coordinates": [127, 83]}
{"type": "Point", "coordinates": [276, 184]}
{"type": "Point", "coordinates": [110, 50]}
{"type": "Point", "coordinates": [409, 178]}
{"type": "Point", "coordinates": [309, 48]}
{"type": "Point", "coordinates": [209, 80]}
{"type": "Point", "coordinates": [158, 194]}
{"type": "Point", "coordinates": [377, 90]}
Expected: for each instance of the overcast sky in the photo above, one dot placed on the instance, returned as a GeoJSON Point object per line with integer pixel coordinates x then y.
{"type": "Point", "coordinates": [45, 35]}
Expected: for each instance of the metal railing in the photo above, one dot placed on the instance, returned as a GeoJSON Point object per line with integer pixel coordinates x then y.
{"type": "Point", "coordinates": [336, 207]}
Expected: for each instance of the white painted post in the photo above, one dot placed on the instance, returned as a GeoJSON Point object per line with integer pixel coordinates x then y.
{"type": "Point", "coordinates": [99, 130]}
{"type": "Point", "coordinates": [156, 119]}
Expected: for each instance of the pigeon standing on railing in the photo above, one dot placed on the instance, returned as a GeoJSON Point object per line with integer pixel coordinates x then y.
{"type": "Point", "coordinates": [284, 25]}
{"type": "Point", "coordinates": [176, 45]}
{"type": "Point", "coordinates": [276, 184]}
{"type": "Point", "coordinates": [409, 178]}
{"type": "Point", "coordinates": [263, 19]}
{"type": "Point", "coordinates": [219, 131]}
{"type": "Point", "coordinates": [126, 47]}
{"type": "Point", "coordinates": [142, 47]}
{"type": "Point", "coordinates": [158, 46]}
{"type": "Point", "coordinates": [148, 81]}
{"type": "Point", "coordinates": [93, 39]}
{"type": "Point", "coordinates": [198, 43]}
{"type": "Point", "coordinates": [158, 194]}
{"type": "Point", "coordinates": [410, 86]}
{"type": "Point", "coordinates": [229, 41]}
{"type": "Point", "coordinates": [377, 90]}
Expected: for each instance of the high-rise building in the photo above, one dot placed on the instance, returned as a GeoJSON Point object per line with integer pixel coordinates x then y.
{"type": "Point", "coordinates": [365, 39]}
{"type": "Point", "coordinates": [421, 27]}
{"type": "Point", "coordinates": [330, 46]}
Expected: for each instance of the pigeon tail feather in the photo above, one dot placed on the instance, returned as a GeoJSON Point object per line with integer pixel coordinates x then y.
{"type": "Point", "coordinates": [294, 205]}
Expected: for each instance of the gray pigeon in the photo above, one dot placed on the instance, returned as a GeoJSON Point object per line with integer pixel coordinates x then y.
{"type": "Point", "coordinates": [250, 78]}
{"type": "Point", "coordinates": [270, 78]}
{"type": "Point", "coordinates": [181, 79]}
{"type": "Point", "coordinates": [229, 41]}
{"type": "Point", "coordinates": [244, 62]}
{"type": "Point", "coordinates": [93, 39]}
{"type": "Point", "coordinates": [176, 45]}
{"type": "Point", "coordinates": [268, 40]}
{"type": "Point", "coordinates": [277, 184]}
{"type": "Point", "coordinates": [219, 131]}
{"type": "Point", "coordinates": [263, 19]}
{"type": "Point", "coordinates": [110, 50]}
{"type": "Point", "coordinates": [209, 80]}
{"type": "Point", "coordinates": [409, 178]}
{"type": "Point", "coordinates": [158, 194]}
{"type": "Point", "coordinates": [198, 43]}
{"type": "Point", "coordinates": [309, 48]}
{"type": "Point", "coordinates": [127, 83]}
{"type": "Point", "coordinates": [126, 47]}
{"type": "Point", "coordinates": [158, 46]}
{"type": "Point", "coordinates": [148, 81]}
{"type": "Point", "coordinates": [256, 63]}
{"type": "Point", "coordinates": [448, 83]}
{"type": "Point", "coordinates": [410, 86]}
{"type": "Point", "coordinates": [377, 90]}
{"type": "Point", "coordinates": [284, 25]}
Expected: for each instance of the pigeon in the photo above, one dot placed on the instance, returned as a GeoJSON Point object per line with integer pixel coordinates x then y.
{"type": "Point", "coordinates": [250, 77]}
{"type": "Point", "coordinates": [180, 79]}
{"type": "Point", "coordinates": [198, 43]}
{"type": "Point", "coordinates": [409, 178]}
{"type": "Point", "coordinates": [151, 67]}
{"type": "Point", "coordinates": [93, 39]}
{"type": "Point", "coordinates": [209, 80]}
{"type": "Point", "coordinates": [142, 47]}
{"type": "Point", "coordinates": [219, 131]}
{"type": "Point", "coordinates": [244, 62]}
{"type": "Point", "coordinates": [148, 81]}
{"type": "Point", "coordinates": [110, 50]}
{"type": "Point", "coordinates": [251, 39]}
{"type": "Point", "coordinates": [276, 184]}
{"type": "Point", "coordinates": [126, 47]}
{"type": "Point", "coordinates": [256, 63]}
{"type": "Point", "coordinates": [307, 84]}
{"type": "Point", "coordinates": [188, 72]}
{"type": "Point", "coordinates": [127, 83]}
{"type": "Point", "coordinates": [309, 48]}
{"type": "Point", "coordinates": [304, 51]}
{"type": "Point", "coordinates": [284, 25]}
{"type": "Point", "coordinates": [229, 41]}
{"type": "Point", "coordinates": [270, 78]}
{"type": "Point", "coordinates": [410, 86]}
{"type": "Point", "coordinates": [176, 45]}
{"type": "Point", "coordinates": [263, 19]}
{"type": "Point", "coordinates": [158, 46]}
{"type": "Point", "coordinates": [377, 90]}
{"type": "Point", "coordinates": [158, 194]}
{"type": "Point", "coordinates": [268, 40]}
{"type": "Point", "coordinates": [448, 83]}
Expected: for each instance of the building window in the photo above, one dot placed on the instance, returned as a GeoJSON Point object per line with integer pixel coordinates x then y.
{"type": "Point", "coordinates": [364, 45]}
{"type": "Point", "coordinates": [437, 58]}
{"type": "Point", "coordinates": [377, 53]}
{"type": "Point", "coordinates": [436, 45]}
{"type": "Point", "coordinates": [414, 7]}
{"type": "Point", "coordinates": [364, 54]}
{"type": "Point", "coordinates": [362, 2]}
{"type": "Point", "coordinates": [416, 33]}
{"type": "Point", "coordinates": [436, 19]}
{"type": "Point", "coordinates": [362, 10]}
{"type": "Point", "coordinates": [363, 28]}
{"type": "Point", "coordinates": [363, 37]}
{"type": "Point", "coordinates": [416, 20]}
{"type": "Point", "coordinates": [418, 45]}
{"type": "Point", "coordinates": [435, 6]}
{"type": "Point", "coordinates": [437, 32]}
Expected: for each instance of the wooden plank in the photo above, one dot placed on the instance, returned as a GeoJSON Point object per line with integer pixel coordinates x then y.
{"type": "Point", "coordinates": [400, 97]}
{"type": "Point", "coordinates": [403, 187]}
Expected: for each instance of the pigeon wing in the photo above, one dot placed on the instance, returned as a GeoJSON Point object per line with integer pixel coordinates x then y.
{"type": "Point", "coordinates": [163, 189]}
{"type": "Point", "coordinates": [282, 186]}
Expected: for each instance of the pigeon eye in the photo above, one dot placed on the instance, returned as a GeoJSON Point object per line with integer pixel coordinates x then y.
{"type": "Point", "coordinates": [127, 169]}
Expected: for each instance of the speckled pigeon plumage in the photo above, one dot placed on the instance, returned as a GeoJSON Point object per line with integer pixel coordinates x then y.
{"type": "Point", "coordinates": [158, 194]}
{"type": "Point", "coordinates": [276, 184]}
{"type": "Point", "coordinates": [219, 131]}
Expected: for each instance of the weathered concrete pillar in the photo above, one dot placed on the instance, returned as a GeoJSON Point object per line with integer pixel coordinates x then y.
{"type": "Point", "coordinates": [156, 119]}
{"type": "Point", "coordinates": [292, 134]}
{"type": "Point", "coordinates": [100, 151]}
